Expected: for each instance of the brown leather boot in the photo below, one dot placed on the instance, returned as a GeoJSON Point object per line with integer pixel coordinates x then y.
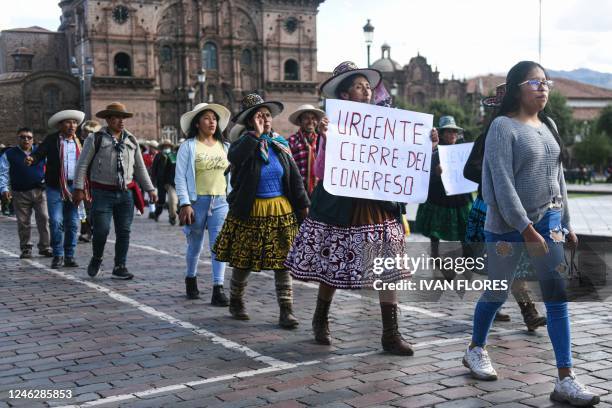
{"type": "Point", "coordinates": [284, 296]}
{"type": "Point", "coordinates": [531, 317]}
{"type": "Point", "coordinates": [320, 322]}
{"type": "Point", "coordinates": [392, 340]}
{"type": "Point", "coordinates": [501, 316]}
{"type": "Point", "coordinates": [286, 319]}
{"type": "Point", "coordinates": [236, 305]}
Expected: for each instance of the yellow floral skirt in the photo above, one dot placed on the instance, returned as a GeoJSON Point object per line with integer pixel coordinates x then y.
{"type": "Point", "coordinates": [260, 242]}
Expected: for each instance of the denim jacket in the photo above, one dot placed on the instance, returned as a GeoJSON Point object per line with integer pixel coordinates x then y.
{"type": "Point", "coordinates": [184, 177]}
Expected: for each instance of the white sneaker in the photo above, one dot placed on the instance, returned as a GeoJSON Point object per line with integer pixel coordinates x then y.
{"type": "Point", "coordinates": [479, 363]}
{"type": "Point", "coordinates": [571, 391]}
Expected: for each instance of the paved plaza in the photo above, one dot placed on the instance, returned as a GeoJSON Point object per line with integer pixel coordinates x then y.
{"type": "Point", "coordinates": [140, 343]}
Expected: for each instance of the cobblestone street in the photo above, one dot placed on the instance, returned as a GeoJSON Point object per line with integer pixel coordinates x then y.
{"type": "Point", "coordinates": [140, 343]}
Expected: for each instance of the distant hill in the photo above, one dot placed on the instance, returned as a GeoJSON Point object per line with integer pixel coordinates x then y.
{"type": "Point", "coordinates": [586, 76]}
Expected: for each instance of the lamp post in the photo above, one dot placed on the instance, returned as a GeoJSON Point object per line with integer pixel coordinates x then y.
{"type": "Point", "coordinates": [201, 81]}
{"type": "Point", "coordinates": [191, 96]}
{"type": "Point", "coordinates": [368, 32]}
{"type": "Point", "coordinates": [83, 71]}
{"type": "Point", "coordinates": [394, 90]}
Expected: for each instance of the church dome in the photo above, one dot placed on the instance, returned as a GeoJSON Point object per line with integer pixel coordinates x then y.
{"type": "Point", "coordinates": [385, 63]}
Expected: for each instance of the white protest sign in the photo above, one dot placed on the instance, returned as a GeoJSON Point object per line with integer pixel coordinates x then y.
{"type": "Point", "coordinates": [377, 153]}
{"type": "Point", "coordinates": [452, 161]}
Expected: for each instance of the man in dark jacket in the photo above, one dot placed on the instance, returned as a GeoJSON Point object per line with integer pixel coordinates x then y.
{"type": "Point", "coordinates": [61, 149]}
{"type": "Point", "coordinates": [26, 186]}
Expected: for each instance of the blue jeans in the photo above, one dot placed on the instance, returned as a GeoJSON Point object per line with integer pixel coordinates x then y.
{"type": "Point", "coordinates": [210, 212]}
{"type": "Point", "coordinates": [502, 260]}
{"type": "Point", "coordinates": [63, 223]}
{"type": "Point", "coordinates": [118, 205]}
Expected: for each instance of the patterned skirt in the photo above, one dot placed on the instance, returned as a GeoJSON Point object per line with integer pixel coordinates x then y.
{"type": "Point", "coordinates": [260, 242]}
{"type": "Point", "coordinates": [435, 221]}
{"type": "Point", "coordinates": [343, 257]}
{"type": "Point", "coordinates": [476, 221]}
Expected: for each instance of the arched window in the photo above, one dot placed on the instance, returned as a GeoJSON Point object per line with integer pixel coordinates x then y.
{"type": "Point", "coordinates": [247, 58]}
{"type": "Point", "coordinates": [166, 54]}
{"type": "Point", "coordinates": [123, 64]}
{"type": "Point", "coordinates": [52, 98]}
{"type": "Point", "coordinates": [292, 70]}
{"type": "Point", "coordinates": [209, 56]}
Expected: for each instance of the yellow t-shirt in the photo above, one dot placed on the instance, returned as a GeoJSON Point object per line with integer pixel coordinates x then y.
{"type": "Point", "coordinates": [210, 164]}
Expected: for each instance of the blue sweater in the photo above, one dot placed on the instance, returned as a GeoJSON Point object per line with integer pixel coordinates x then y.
{"type": "Point", "coordinates": [15, 172]}
{"type": "Point", "coordinates": [271, 179]}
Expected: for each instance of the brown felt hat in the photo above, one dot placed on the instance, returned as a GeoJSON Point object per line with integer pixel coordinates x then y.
{"type": "Point", "coordinates": [116, 109]}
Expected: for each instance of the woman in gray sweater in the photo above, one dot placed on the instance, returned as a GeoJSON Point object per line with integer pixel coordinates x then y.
{"type": "Point", "coordinates": [524, 188]}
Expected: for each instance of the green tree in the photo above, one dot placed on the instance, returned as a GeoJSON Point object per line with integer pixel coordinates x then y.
{"type": "Point", "coordinates": [558, 110]}
{"type": "Point", "coordinates": [604, 121]}
{"type": "Point", "coordinates": [595, 149]}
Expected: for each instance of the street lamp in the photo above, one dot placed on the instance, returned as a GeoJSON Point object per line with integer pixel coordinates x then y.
{"type": "Point", "coordinates": [368, 32]}
{"type": "Point", "coordinates": [191, 96]}
{"type": "Point", "coordinates": [201, 81]}
{"type": "Point", "coordinates": [394, 90]}
{"type": "Point", "coordinates": [85, 70]}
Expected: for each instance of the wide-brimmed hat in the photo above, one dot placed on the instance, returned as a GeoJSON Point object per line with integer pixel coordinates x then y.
{"type": "Point", "coordinates": [153, 144]}
{"type": "Point", "coordinates": [166, 142]}
{"type": "Point", "coordinates": [69, 114]}
{"type": "Point", "coordinates": [295, 116]}
{"type": "Point", "coordinates": [252, 102]}
{"type": "Point", "coordinates": [221, 111]}
{"type": "Point", "coordinates": [91, 126]}
{"type": "Point", "coordinates": [448, 122]}
{"type": "Point", "coordinates": [116, 109]}
{"type": "Point", "coordinates": [236, 132]}
{"type": "Point", "coordinates": [495, 101]}
{"type": "Point", "coordinates": [342, 71]}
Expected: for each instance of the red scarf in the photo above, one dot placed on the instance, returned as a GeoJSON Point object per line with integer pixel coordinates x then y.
{"type": "Point", "coordinates": [310, 140]}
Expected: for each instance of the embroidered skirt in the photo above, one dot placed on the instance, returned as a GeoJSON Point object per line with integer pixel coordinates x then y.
{"type": "Point", "coordinates": [260, 242]}
{"type": "Point", "coordinates": [342, 257]}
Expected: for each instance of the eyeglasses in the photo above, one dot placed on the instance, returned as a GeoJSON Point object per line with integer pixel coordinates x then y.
{"type": "Point", "coordinates": [536, 83]}
{"type": "Point", "coordinates": [26, 137]}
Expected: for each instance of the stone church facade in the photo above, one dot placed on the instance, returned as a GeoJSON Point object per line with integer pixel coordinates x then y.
{"type": "Point", "coordinates": [148, 55]}
{"type": "Point", "coordinates": [417, 83]}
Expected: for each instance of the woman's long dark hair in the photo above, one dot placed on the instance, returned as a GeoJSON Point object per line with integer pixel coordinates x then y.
{"type": "Point", "coordinates": [194, 130]}
{"type": "Point", "coordinates": [511, 103]}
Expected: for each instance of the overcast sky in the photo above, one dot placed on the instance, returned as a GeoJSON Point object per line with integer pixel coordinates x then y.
{"type": "Point", "coordinates": [464, 38]}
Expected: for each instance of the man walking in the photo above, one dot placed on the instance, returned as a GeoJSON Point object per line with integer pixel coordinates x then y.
{"type": "Point", "coordinates": [26, 186]}
{"type": "Point", "coordinates": [113, 160]}
{"type": "Point", "coordinates": [164, 167]}
{"type": "Point", "coordinates": [62, 150]}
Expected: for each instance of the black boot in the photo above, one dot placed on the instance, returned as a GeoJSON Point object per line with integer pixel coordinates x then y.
{"type": "Point", "coordinates": [531, 316]}
{"type": "Point", "coordinates": [320, 322]}
{"type": "Point", "coordinates": [69, 262]}
{"type": "Point", "coordinates": [236, 304]}
{"type": "Point", "coordinates": [392, 340]}
{"type": "Point", "coordinates": [191, 287]}
{"type": "Point", "coordinates": [218, 297]}
{"type": "Point", "coordinates": [57, 262]}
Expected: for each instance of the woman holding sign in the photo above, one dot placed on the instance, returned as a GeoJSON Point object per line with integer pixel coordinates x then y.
{"type": "Point", "coordinates": [443, 216]}
{"type": "Point", "coordinates": [266, 200]}
{"type": "Point", "coordinates": [333, 240]}
{"type": "Point", "coordinates": [524, 188]}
